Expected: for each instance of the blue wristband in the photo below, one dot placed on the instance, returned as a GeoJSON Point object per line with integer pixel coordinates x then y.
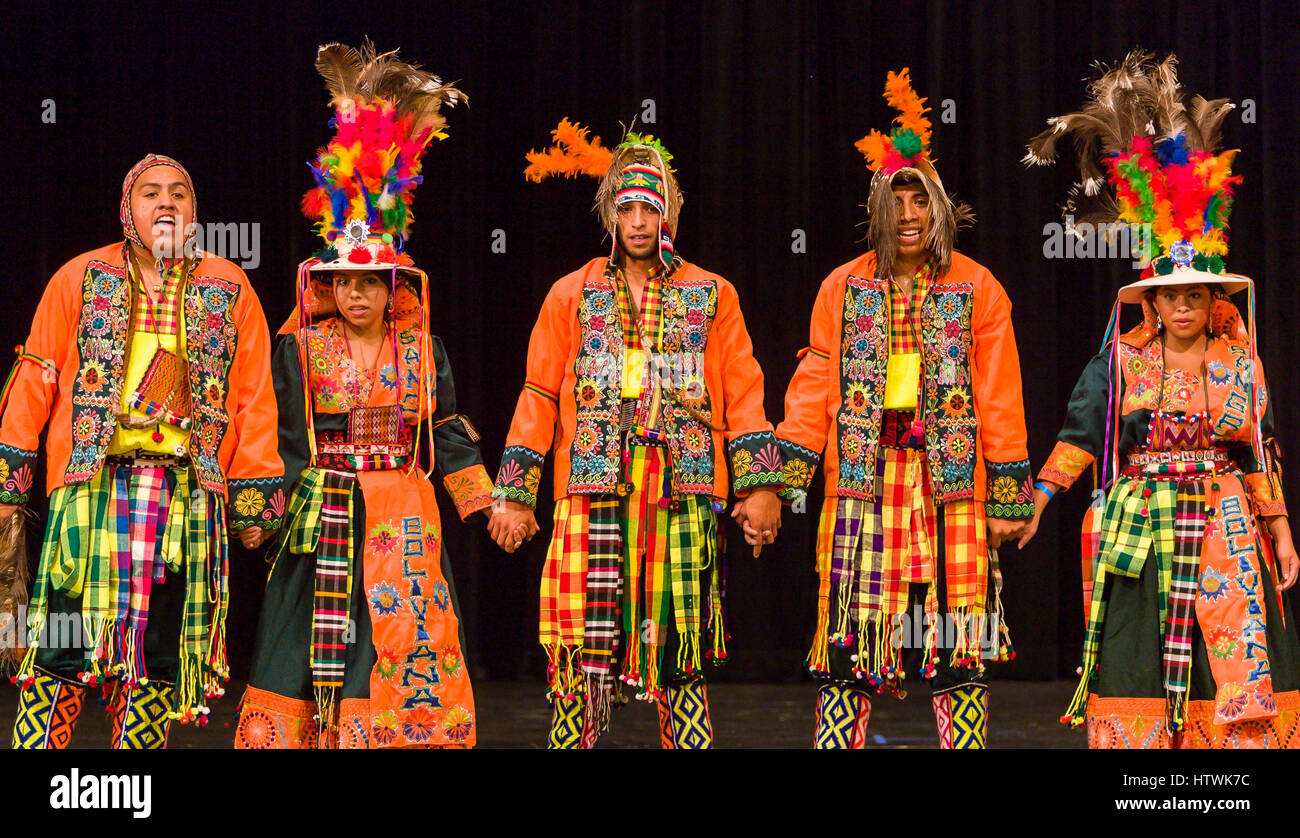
{"type": "Point", "coordinates": [1042, 487]}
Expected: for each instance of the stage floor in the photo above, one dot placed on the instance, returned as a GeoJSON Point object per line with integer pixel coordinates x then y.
{"type": "Point", "coordinates": [513, 714]}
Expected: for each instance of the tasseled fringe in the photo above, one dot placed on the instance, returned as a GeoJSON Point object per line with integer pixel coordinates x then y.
{"type": "Point", "coordinates": [1075, 714]}
{"type": "Point", "coordinates": [969, 633]}
{"type": "Point", "coordinates": [191, 692]}
{"type": "Point", "coordinates": [600, 705]}
{"type": "Point", "coordinates": [327, 716]}
{"type": "Point", "coordinates": [563, 672]}
{"type": "Point", "coordinates": [1177, 711]}
{"type": "Point", "coordinates": [688, 653]}
{"type": "Point", "coordinates": [651, 691]}
{"type": "Point", "coordinates": [930, 649]}
{"type": "Point", "coordinates": [818, 656]}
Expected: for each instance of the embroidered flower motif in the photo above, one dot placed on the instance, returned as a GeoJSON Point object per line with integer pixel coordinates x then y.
{"type": "Point", "coordinates": [596, 343]}
{"type": "Point", "coordinates": [797, 474]}
{"type": "Point", "coordinates": [432, 537]}
{"type": "Point", "coordinates": [98, 324]}
{"type": "Point", "coordinates": [1231, 700]}
{"type": "Point", "coordinates": [865, 322]}
{"type": "Point", "coordinates": [4, 471]}
{"type": "Point", "coordinates": [852, 444]}
{"type": "Point", "coordinates": [249, 502]}
{"type": "Point", "coordinates": [1222, 642]}
{"type": "Point", "coordinates": [949, 305]}
{"type": "Point", "coordinates": [388, 377]}
{"type": "Point", "coordinates": [857, 399]}
{"type": "Point", "coordinates": [598, 303]}
{"type": "Point", "coordinates": [85, 428]}
{"type": "Point", "coordinates": [952, 350]}
{"type": "Point", "coordinates": [956, 444]}
{"type": "Point", "coordinates": [588, 393]}
{"type": "Point", "coordinates": [419, 725]}
{"type": "Point", "coordinates": [214, 342]}
{"type": "Point", "coordinates": [321, 364]}
{"type": "Point", "coordinates": [1214, 585]}
{"type": "Point", "coordinates": [1004, 489]}
{"type": "Point", "coordinates": [861, 347]}
{"type": "Point", "coordinates": [1218, 373]}
{"type": "Point", "coordinates": [91, 378]}
{"type": "Point", "coordinates": [384, 599]}
{"type": "Point", "coordinates": [450, 660]}
{"type": "Point", "coordinates": [1182, 394]}
{"type": "Point", "coordinates": [694, 440]}
{"type": "Point", "coordinates": [532, 479]}
{"type": "Point", "coordinates": [1135, 365]}
{"type": "Point", "coordinates": [385, 727]}
{"type": "Point", "coordinates": [387, 664]}
{"type": "Point", "coordinates": [457, 724]}
{"type": "Point", "coordinates": [740, 462]}
{"type": "Point", "coordinates": [695, 317]}
{"type": "Point", "coordinates": [952, 329]}
{"type": "Point", "coordinates": [1263, 692]}
{"type": "Point", "coordinates": [383, 538]}
{"type": "Point", "coordinates": [587, 439]}
{"type": "Point", "coordinates": [257, 730]}
{"type": "Point", "coordinates": [956, 402]}
{"type": "Point", "coordinates": [440, 596]}
{"type": "Point", "coordinates": [214, 391]}
{"type": "Point", "coordinates": [695, 340]}
{"type": "Point", "coordinates": [694, 297]}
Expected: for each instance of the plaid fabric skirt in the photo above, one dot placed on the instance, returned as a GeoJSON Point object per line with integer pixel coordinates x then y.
{"type": "Point", "coordinates": [885, 565]}
{"type": "Point", "coordinates": [632, 589]}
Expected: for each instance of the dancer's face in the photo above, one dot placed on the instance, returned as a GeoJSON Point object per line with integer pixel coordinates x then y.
{"type": "Point", "coordinates": [1184, 309]}
{"type": "Point", "coordinates": [912, 207]}
{"type": "Point", "coordinates": [162, 208]}
{"type": "Point", "coordinates": [361, 297]}
{"type": "Point", "coordinates": [638, 230]}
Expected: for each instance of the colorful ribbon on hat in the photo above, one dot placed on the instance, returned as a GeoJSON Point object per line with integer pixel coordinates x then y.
{"type": "Point", "coordinates": [641, 182]}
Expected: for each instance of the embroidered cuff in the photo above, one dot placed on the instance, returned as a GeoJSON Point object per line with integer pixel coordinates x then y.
{"type": "Point", "coordinates": [799, 467]}
{"type": "Point", "coordinates": [1065, 464]}
{"type": "Point", "coordinates": [1010, 491]}
{"type": "Point", "coordinates": [755, 461]}
{"type": "Point", "coordinates": [470, 489]}
{"type": "Point", "coordinates": [1265, 494]}
{"type": "Point", "coordinates": [16, 475]}
{"type": "Point", "coordinates": [256, 502]}
{"type": "Point", "coordinates": [520, 475]}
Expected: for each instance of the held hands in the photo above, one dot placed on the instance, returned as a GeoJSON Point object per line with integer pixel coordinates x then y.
{"type": "Point", "coordinates": [511, 523]}
{"type": "Point", "coordinates": [1041, 499]}
{"type": "Point", "coordinates": [1002, 530]}
{"type": "Point", "coordinates": [759, 515]}
{"type": "Point", "coordinates": [251, 538]}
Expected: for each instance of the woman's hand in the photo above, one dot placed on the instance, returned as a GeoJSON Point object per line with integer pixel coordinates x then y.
{"type": "Point", "coordinates": [1284, 548]}
{"type": "Point", "coordinates": [1041, 500]}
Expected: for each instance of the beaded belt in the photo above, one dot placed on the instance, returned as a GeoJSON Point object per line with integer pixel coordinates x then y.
{"type": "Point", "coordinates": [1178, 465]}
{"type": "Point", "coordinates": [146, 459]}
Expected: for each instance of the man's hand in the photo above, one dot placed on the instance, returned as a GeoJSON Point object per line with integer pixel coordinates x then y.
{"type": "Point", "coordinates": [759, 516]}
{"type": "Point", "coordinates": [1041, 499]}
{"type": "Point", "coordinates": [511, 523]}
{"type": "Point", "coordinates": [253, 537]}
{"type": "Point", "coordinates": [1001, 530]}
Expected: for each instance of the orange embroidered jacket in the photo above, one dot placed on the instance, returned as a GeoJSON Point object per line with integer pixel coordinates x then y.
{"type": "Point", "coordinates": [573, 392]}
{"type": "Point", "coordinates": [71, 373]}
{"type": "Point", "coordinates": [970, 399]}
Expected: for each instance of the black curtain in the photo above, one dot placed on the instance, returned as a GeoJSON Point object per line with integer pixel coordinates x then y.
{"type": "Point", "coordinates": [761, 104]}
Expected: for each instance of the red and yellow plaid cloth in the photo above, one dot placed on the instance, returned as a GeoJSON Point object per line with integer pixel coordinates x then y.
{"type": "Point", "coordinates": [161, 317]}
{"type": "Point", "coordinates": [905, 313]}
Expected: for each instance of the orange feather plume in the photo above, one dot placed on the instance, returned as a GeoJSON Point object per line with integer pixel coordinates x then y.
{"type": "Point", "coordinates": [575, 153]}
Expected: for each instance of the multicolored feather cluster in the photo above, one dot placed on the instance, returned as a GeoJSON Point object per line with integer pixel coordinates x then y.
{"type": "Point", "coordinates": [386, 112]}
{"type": "Point", "coordinates": [1156, 146]}
{"type": "Point", "coordinates": [574, 153]}
{"type": "Point", "coordinates": [909, 142]}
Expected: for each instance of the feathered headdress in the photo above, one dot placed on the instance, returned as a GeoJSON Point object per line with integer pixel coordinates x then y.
{"type": "Point", "coordinates": [902, 155]}
{"type": "Point", "coordinates": [637, 169]}
{"type": "Point", "coordinates": [1155, 145]}
{"type": "Point", "coordinates": [386, 112]}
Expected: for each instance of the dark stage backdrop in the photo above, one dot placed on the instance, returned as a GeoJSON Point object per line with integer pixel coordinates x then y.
{"type": "Point", "coordinates": [761, 104]}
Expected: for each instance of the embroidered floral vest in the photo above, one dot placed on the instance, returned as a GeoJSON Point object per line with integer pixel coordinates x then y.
{"type": "Point", "coordinates": [689, 306]}
{"type": "Point", "coordinates": [210, 342]}
{"type": "Point", "coordinates": [945, 402]}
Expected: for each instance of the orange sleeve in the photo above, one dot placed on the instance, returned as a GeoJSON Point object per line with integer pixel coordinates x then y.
{"type": "Point", "coordinates": [1000, 402]}
{"type": "Point", "coordinates": [751, 445]}
{"type": "Point", "coordinates": [804, 431]}
{"type": "Point", "coordinates": [1264, 479]}
{"type": "Point", "coordinates": [33, 383]}
{"type": "Point", "coordinates": [255, 474]}
{"type": "Point", "coordinates": [533, 428]}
